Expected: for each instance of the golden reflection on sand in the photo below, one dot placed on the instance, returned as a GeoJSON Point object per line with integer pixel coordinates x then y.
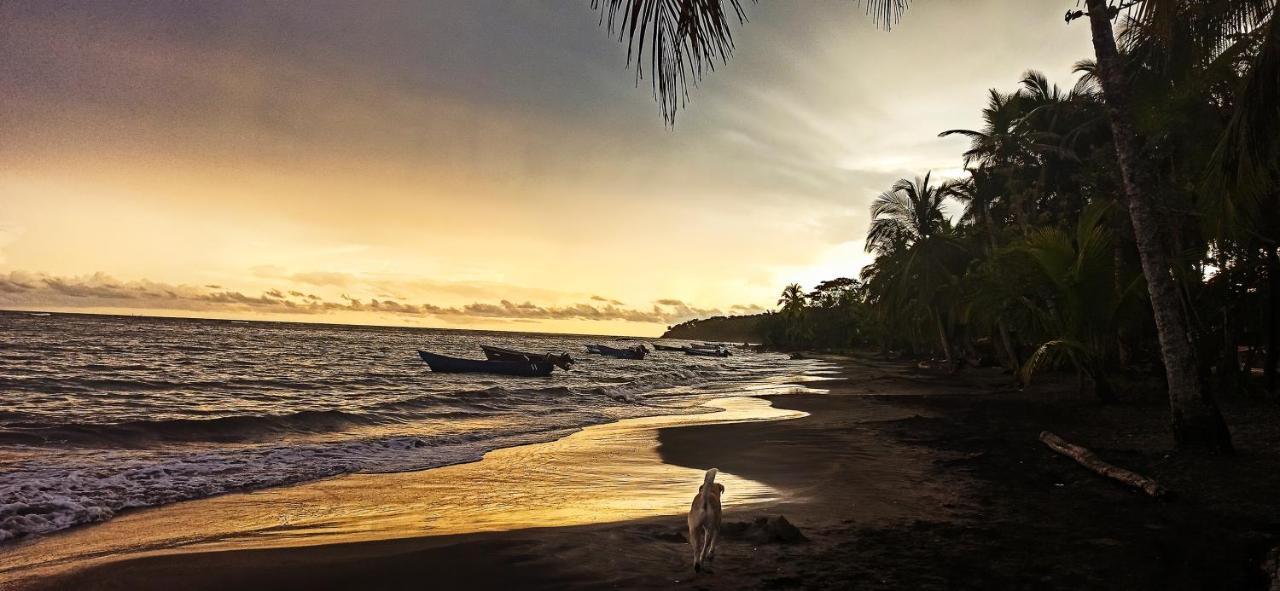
{"type": "Point", "coordinates": [601, 474]}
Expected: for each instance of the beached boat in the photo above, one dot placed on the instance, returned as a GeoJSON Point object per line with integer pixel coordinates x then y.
{"type": "Point", "coordinates": [636, 352]}
{"type": "Point", "coordinates": [563, 360]}
{"type": "Point", "coordinates": [658, 347]}
{"type": "Point", "coordinates": [446, 364]}
{"type": "Point", "coordinates": [717, 352]}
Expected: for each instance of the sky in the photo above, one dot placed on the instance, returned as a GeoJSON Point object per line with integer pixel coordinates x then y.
{"type": "Point", "coordinates": [488, 164]}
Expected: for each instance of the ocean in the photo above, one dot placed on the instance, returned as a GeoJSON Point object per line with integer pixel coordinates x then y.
{"type": "Point", "coordinates": [99, 414]}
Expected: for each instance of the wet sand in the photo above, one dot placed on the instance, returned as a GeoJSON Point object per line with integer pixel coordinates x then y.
{"type": "Point", "coordinates": [898, 478]}
{"type": "Point", "coordinates": [591, 476]}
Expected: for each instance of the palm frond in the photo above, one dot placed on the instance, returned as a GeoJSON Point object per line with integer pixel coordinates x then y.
{"type": "Point", "coordinates": [1246, 161]}
{"type": "Point", "coordinates": [676, 41]}
{"type": "Point", "coordinates": [1052, 353]}
{"type": "Point", "coordinates": [681, 37]}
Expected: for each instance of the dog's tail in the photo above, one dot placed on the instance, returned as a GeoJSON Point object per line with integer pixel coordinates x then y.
{"type": "Point", "coordinates": [707, 481]}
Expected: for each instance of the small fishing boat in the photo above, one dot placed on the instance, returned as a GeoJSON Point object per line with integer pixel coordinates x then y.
{"type": "Point", "coordinates": [717, 352]}
{"type": "Point", "coordinates": [526, 367]}
{"type": "Point", "coordinates": [636, 352]}
{"type": "Point", "coordinates": [563, 360]}
{"type": "Point", "coordinates": [658, 347]}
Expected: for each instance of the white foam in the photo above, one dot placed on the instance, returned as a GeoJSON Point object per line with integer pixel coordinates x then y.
{"type": "Point", "coordinates": [68, 488]}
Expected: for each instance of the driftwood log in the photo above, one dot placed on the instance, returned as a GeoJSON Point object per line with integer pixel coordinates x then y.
{"type": "Point", "coordinates": [1271, 567]}
{"type": "Point", "coordinates": [1091, 461]}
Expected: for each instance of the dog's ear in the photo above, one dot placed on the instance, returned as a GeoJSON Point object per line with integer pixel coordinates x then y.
{"type": "Point", "coordinates": [720, 486]}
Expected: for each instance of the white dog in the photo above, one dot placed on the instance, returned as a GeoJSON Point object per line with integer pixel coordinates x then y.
{"type": "Point", "coordinates": [704, 520]}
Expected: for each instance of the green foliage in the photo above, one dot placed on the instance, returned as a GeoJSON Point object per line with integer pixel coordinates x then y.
{"type": "Point", "coordinates": [1039, 270]}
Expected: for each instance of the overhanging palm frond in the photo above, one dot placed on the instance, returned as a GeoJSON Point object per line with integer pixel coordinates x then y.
{"type": "Point", "coordinates": [1213, 23]}
{"type": "Point", "coordinates": [677, 40]}
{"type": "Point", "coordinates": [680, 38]}
{"type": "Point", "coordinates": [1247, 160]}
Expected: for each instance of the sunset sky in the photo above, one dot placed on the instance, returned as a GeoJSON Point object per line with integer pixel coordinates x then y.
{"type": "Point", "coordinates": [471, 163]}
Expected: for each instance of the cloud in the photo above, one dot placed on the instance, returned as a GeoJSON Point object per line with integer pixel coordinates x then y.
{"type": "Point", "coordinates": [21, 289]}
{"type": "Point", "coordinates": [607, 300]}
{"type": "Point", "coordinates": [96, 286]}
{"type": "Point", "coordinates": [323, 278]}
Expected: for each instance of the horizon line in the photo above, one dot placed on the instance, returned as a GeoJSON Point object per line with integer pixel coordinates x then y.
{"type": "Point", "coordinates": [303, 322]}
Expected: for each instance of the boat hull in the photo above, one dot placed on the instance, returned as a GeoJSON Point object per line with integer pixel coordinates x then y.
{"type": "Point", "coordinates": [525, 368]}
{"type": "Point", "coordinates": [707, 352]}
{"type": "Point", "coordinates": [637, 353]}
{"type": "Point", "coordinates": [500, 354]}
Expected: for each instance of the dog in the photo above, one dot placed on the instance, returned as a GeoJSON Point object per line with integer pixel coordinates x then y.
{"type": "Point", "coordinates": [704, 520]}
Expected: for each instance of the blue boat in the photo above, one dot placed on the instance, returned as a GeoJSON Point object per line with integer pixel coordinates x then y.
{"type": "Point", "coordinates": [446, 364]}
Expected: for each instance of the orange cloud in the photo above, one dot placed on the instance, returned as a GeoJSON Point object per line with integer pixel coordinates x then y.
{"type": "Point", "coordinates": [22, 289]}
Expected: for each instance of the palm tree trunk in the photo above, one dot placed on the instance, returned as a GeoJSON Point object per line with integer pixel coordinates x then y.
{"type": "Point", "coordinates": [1011, 354]}
{"type": "Point", "coordinates": [942, 337]}
{"type": "Point", "coordinates": [1195, 417]}
{"type": "Point", "coordinates": [1229, 377]}
{"type": "Point", "coordinates": [1101, 385]}
{"type": "Point", "coordinates": [1273, 320]}
{"type": "Point", "coordinates": [1117, 253]}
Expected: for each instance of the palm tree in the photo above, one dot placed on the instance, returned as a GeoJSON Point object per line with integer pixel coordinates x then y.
{"type": "Point", "coordinates": [682, 37]}
{"type": "Point", "coordinates": [909, 212]}
{"type": "Point", "coordinates": [999, 141]}
{"type": "Point", "coordinates": [1081, 308]}
{"type": "Point", "coordinates": [792, 297]}
{"type": "Point", "coordinates": [1197, 422]}
{"type": "Point", "coordinates": [793, 303]}
{"type": "Point", "coordinates": [977, 193]}
{"type": "Point", "coordinates": [909, 219]}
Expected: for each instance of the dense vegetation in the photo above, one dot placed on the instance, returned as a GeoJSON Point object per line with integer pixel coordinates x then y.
{"type": "Point", "coordinates": [724, 329]}
{"type": "Point", "coordinates": [1128, 222]}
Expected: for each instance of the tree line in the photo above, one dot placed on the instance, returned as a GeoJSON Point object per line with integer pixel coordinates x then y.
{"type": "Point", "coordinates": [1132, 218]}
{"type": "Point", "coordinates": [1033, 258]}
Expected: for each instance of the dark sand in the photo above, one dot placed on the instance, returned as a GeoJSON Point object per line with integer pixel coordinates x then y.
{"type": "Point", "coordinates": [899, 478]}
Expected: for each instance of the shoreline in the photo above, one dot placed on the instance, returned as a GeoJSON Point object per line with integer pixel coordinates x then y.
{"type": "Point", "coordinates": [898, 478]}
{"type": "Point", "coordinates": [338, 510]}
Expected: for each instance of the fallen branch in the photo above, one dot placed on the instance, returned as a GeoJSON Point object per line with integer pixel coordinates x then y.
{"type": "Point", "coordinates": [1271, 567]}
{"type": "Point", "coordinates": [1087, 459]}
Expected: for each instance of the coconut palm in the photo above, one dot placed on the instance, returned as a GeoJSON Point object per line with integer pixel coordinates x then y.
{"type": "Point", "coordinates": [1000, 142]}
{"type": "Point", "coordinates": [1197, 422]}
{"type": "Point", "coordinates": [682, 37]}
{"type": "Point", "coordinates": [1077, 304]}
{"type": "Point", "coordinates": [909, 212]}
{"type": "Point", "coordinates": [792, 297]}
{"type": "Point", "coordinates": [908, 221]}
{"type": "Point", "coordinates": [796, 326]}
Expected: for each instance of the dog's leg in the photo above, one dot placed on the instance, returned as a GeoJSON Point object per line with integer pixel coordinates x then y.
{"type": "Point", "coordinates": [699, 544]}
{"type": "Point", "coordinates": [713, 535]}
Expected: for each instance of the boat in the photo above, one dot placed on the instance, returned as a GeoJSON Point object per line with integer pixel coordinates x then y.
{"type": "Point", "coordinates": [636, 352]}
{"type": "Point", "coordinates": [527, 367]}
{"type": "Point", "coordinates": [658, 347]}
{"type": "Point", "coordinates": [717, 352]}
{"type": "Point", "coordinates": [563, 360]}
